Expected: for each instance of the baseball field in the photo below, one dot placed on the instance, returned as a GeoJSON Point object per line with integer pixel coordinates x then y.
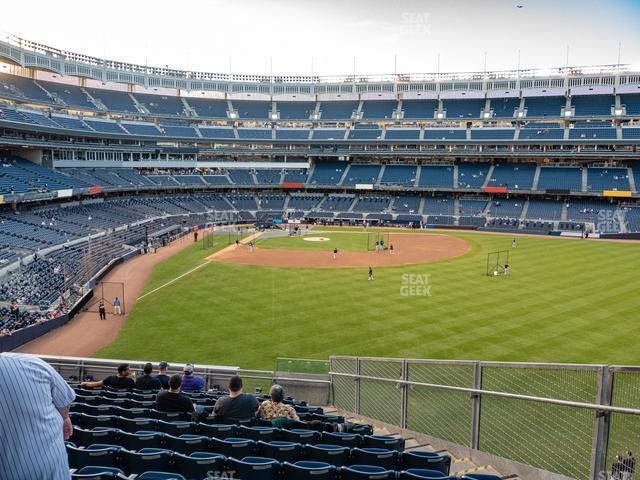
{"type": "Point", "coordinates": [564, 300]}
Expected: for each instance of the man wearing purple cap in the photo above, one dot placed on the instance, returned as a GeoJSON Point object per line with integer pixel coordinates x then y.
{"type": "Point", "coordinates": [191, 382]}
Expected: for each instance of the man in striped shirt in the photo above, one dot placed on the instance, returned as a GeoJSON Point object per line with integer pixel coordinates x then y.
{"type": "Point", "coordinates": [34, 419]}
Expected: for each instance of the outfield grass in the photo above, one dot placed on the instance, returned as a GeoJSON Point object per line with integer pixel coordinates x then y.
{"type": "Point", "coordinates": [566, 301]}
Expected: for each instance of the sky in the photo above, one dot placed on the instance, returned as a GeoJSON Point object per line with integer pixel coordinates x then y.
{"type": "Point", "coordinates": [335, 37]}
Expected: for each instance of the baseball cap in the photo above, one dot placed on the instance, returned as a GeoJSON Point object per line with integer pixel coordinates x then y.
{"type": "Point", "coordinates": [188, 367]}
{"type": "Point", "coordinates": [164, 364]}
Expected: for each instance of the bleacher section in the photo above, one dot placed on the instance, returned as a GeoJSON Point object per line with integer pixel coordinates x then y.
{"type": "Point", "coordinates": [544, 209]}
{"type": "Point", "coordinates": [599, 179]}
{"type": "Point", "coordinates": [295, 110]}
{"type": "Point", "coordinates": [506, 208]}
{"type": "Point", "coordinates": [120, 102]}
{"type": "Point", "coordinates": [472, 175]}
{"type": "Point", "coordinates": [22, 88]}
{"type": "Point", "coordinates": [71, 95]}
{"type": "Point", "coordinates": [361, 174]}
{"type": "Point", "coordinates": [378, 109]}
{"type": "Point", "coordinates": [504, 107]}
{"type": "Point", "coordinates": [632, 104]}
{"type": "Point", "coordinates": [399, 175]}
{"type": "Point", "coordinates": [252, 109]}
{"type": "Point", "coordinates": [122, 432]}
{"type": "Point", "coordinates": [161, 104]}
{"type": "Point", "coordinates": [560, 178]}
{"type": "Point", "coordinates": [593, 105]}
{"type": "Point", "coordinates": [542, 131]}
{"type": "Point", "coordinates": [337, 110]}
{"type": "Point", "coordinates": [514, 177]}
{"type": "Point", "coordinates": [436, 177]}
{"type": "Point", "coordinates": [492, 133]}
{"type": "Point", "coordinates": [541, 107]}
{"type": "Point", "coordinates": [419, 109]}
{"type": "Point", "coordinates": [402, 134]}
{"type": "Point", "coordinates": [328, 173]}
{"type": "Point", "coordinates": [209, 107]}
{"type": "Point", "coordinates": [463, 108]}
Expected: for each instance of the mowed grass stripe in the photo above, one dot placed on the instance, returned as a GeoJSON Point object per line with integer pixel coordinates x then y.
{"type": "Point", "coordinates": [566, 301]}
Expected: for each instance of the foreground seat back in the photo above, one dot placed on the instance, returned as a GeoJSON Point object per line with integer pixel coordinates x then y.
{"type": "Point", "coordinates": [254, 468]}
{"type": "Point", "coordinates": [425, 460]}
{"type": "Point", "coordinates": [306, 470]}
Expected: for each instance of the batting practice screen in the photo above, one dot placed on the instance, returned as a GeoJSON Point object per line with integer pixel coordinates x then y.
{"type": "Point", "coordinates": [496, 262]}
{"type": "Point", "coordinates": [377, 241]}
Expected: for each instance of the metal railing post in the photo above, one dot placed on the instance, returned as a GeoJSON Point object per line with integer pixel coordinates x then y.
{"type": "Point", "coordinates": [476, 400]}
{"type": "Point", "coordinates": [357, 387]}
{"type": "Point", "coordinates": [404, 398]}
{"type": "Point", "coordinates": [601, 424]}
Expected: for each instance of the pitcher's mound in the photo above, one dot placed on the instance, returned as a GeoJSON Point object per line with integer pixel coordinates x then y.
{"type": "Point", "coordinates": [409, 249]}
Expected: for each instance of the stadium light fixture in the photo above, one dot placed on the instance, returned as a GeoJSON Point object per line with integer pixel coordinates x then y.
{"type": "Point", "coordinates": [439, 115]}
{"type": "Point", "coordinates": [487, 114]}
{"type": "Point", "coordinates": [274, 116]}
{"type": "Point", "coordinates": [568, 113]}
{"type": "Point", "coordinates": [233, 115]}
{"type": "Point", "coordinates": [617, 112]}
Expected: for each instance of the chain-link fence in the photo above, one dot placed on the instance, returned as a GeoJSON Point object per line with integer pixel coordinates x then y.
{"type": "Point", "coordinates": [549, 437]}
{"type": "Point", "coordinates": [442, 413]}
{"type": "Point", "coordinates": [624, 429]}
{"type": "Point", "coordinates": [574, 420]}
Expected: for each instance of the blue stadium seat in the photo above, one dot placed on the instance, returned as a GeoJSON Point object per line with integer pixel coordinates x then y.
{"type": "Point", "coordinates": [141, 439]}
{"type": "Point", "coordinates": [384, 441]}
{"type": "Point", "coordinates": [305, 470]}
{"type": "Point", "coordinates": [425, 460]}
{"type": "Point", "coordinates": [255, 468]}
{"type": "Point", "coordinates": [380, 457]}
{"type": "Point", "coordinates": [199, 464]}
{"type": "Point", "coordinates": [298, 435]}
{"type": "Point", "coordinates": [147, 459]}
{"type": "Point", "coordinates": [361, 472]}
{"type": "Point", "coordinates": [479, 476]}
{"type": "Point", "coordinates": [350, 440]}
{"type": "Point", "coordinates": [187, 444]}
{"type": "Point", "coordinates": [153, 475]}
{"type": "Point", "coordinates": [220, 431]}
{"type": "Point", "coordinates": [332, 454]}
{"type": "Point", "coordinates": [80, 457]}
{"type": "Point", "coordinates": [233, 447]}
{"type": "Point", "coordinates": [99, 473]}
{"type": "Point", "coordinates": [132, 425]}
{"type": "Point", "coordinates": [176, 428]}
{"type": "Point", "coordinates": [420, 473]}
{"type": "Point", "coordinates": [281, 451]}
{"type": "Point", "coordinates": [97, 435]}
{"type": "Point", "coordinates": [265, 434]}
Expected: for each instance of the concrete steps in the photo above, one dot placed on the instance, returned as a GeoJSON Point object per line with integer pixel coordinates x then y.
{"type": "Point", "coordinates": [459, 465]}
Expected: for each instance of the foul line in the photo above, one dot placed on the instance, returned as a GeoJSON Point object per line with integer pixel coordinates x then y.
{"type": "Point", "coordinates": [173, 280]}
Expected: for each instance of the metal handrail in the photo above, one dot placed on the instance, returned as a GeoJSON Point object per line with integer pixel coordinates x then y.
{"type": "Point", "coordinates": [514, 396]}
